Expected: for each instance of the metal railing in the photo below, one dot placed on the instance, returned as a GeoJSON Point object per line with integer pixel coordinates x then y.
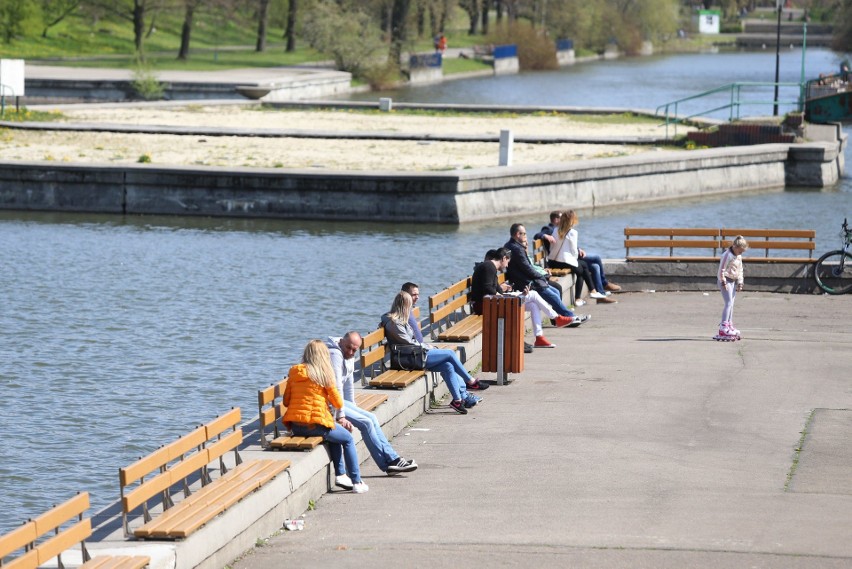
{"type": "Point", "coordinates": [3, 89]}
{"type": "Point", "coordinates": [736, 101]}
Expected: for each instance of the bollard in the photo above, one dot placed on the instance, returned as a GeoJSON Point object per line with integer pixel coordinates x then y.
{"type": "Point", "coordinates": [385, 104]}
{"type": "Point", "coordinates": [507, 141]}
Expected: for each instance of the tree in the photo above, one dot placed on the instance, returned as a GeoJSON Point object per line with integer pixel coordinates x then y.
{"type": "Point", "coordinates": [16, 17]}
{"type": "Point", "coordinates": [54, 11]}
{"type": "Point", "coordinates": [399, 27]}
{"type": "Point", "coordinates": [136, 12]}
{"type": "Point", "coordinates": [349, 35]}
{"type": "Point", "coordinates": [472, 9]}
{"type": "Point", "coordinates": [190, 6]}
{"type": "Point", "coordinates": [842, 40]}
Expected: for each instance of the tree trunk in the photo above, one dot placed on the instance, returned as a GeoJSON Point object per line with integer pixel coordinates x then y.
{"type": "Point", "coordinates": [472, 9]}
{"type": "Point", "coordinates": [290, 33]}
{"type": "Point", "coordinates": [138, 25]}
{"type": "Point", "coordinates": [421, 20]}
{"type": "Point", "coordinates": [485, 6]}
{"type": "Point", "coordinates": [262, 22]}
{"type": "Point", "coordinates": [499, 5]}
{"type": "Point", "coordinates": [186, 31]}
{"type": "Point", "coordinates": [399, 19]}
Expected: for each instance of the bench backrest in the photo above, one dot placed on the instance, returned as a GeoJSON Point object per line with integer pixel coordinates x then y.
{"type": "Point", "coordinates": [174, 464]}
{"type": "Point", "coordinates": [539, 252]}
{"type": "Point", "coordinates": [448, 306]}
{"type": "Point", "coordinates": [271, 408]}
{"type": "Point", "coordinates": [372, 354]}
{"type": "Point", "coordinates": [43, 538]}
{"type": "Point", "coordinates": [766, 239]}
{"type": "Point", "coordinates": [716, 240]}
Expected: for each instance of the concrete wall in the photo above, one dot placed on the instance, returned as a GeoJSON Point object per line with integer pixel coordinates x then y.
{"type": "Point", "coordinates": [445, 197]}
{"type": "Point", "coordinates": [635, 276]}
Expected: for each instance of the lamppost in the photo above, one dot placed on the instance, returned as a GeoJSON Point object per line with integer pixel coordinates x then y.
{"type": "Point", "coordinates": [777, 57]}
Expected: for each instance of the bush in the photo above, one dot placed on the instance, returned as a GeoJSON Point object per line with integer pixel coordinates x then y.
{"type": "Point", "coordinates": [145, 82]}
{"type": "Point", "coordinates": [350, 37]}
{"type": "Point", "coordinates": [535, 49]}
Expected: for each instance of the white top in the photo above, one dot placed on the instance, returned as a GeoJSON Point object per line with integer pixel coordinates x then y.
{"type": "Point", "coordinates": [730, 267]}
{"type": "Point", "coordinates": [565, 250]}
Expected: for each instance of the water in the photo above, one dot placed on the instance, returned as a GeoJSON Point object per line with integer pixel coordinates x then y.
{"type": "Point", "coordinates": [636, 83]}
{"type": "Point", "coordinates": [120, 334]}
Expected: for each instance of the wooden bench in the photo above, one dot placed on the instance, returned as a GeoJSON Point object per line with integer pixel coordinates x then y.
{"type": "Point", "coordinates": [374, 369]}
{"type": "Point", "coordinates": [714, 242]}
{"type": "Point", "coordinates": [449, 318]}
{"type": "Point", "coordinates": [170, 471]}
{"type": "Point", "coordinates": [41, 539]}
{"type": "Point", "coordinates": [271, 409]}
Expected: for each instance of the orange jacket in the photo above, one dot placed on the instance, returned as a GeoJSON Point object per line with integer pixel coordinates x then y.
{"type": "Point", "coordinates": [306, 401]}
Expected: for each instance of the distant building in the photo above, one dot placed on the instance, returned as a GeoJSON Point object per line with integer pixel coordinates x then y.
{"type": "Point", "coordinates": [709, 21]}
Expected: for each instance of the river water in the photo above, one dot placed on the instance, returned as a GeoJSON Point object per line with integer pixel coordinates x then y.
{"type": "Point", "coordinates": [119, 334]}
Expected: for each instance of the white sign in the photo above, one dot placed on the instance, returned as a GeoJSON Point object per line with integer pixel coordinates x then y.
{"type": "Point", "coordinates": [12, 77]}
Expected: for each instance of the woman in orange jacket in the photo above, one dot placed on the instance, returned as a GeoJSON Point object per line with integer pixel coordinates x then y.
{"type": "Point", "coordinates": [310, 389]}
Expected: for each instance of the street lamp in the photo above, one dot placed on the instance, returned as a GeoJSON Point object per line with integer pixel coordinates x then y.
{"type": "Point", "coordinates": [777, 56]}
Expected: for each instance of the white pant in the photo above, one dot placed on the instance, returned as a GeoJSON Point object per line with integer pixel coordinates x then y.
{"type": "Point", "coordinates": [535, 305]}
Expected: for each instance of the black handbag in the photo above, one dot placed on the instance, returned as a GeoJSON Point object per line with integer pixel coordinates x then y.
{"type": "Point", "coordinates": [407, 357]}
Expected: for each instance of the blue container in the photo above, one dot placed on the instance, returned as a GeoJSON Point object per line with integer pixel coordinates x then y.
{"type": "Point", "coordinates": [504, 51]}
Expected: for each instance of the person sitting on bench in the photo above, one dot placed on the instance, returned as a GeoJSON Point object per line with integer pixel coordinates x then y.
{"type": "Point", "coordinates": [310, 389]}
{"type": "Point", "coordinates": [343, 352]}
{"type": "Point", "coordinates": [522, 274]}
{"type": "Point", "coordinates": [484, 283]}
{"type": "Point", "coordinates": [398, 332]}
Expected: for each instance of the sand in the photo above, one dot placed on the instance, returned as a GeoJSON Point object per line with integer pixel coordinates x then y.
{"type": "Point", "coordinates": [329, 153]}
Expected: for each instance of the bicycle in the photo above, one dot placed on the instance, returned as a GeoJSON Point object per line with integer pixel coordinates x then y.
{"type": "Point", "coordinates": [833, 271]}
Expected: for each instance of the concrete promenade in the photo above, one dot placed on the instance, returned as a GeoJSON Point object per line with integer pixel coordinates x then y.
{"type": "Point", "coordinates": [637, 442]}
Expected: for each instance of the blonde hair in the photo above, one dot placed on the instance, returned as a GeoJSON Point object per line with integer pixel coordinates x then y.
{"type": "Point", "coordinates": [740, 241]}
{"type": "Point", "coordinates": [317, 360]}
{"type": "Point", "coordinates": [567, 222]}
{"type": "Point", "coordinates": [401, 308]}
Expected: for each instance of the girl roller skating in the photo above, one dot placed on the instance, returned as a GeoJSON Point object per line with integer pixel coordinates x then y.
{"type": "Point", "coordinates": [730, 281]}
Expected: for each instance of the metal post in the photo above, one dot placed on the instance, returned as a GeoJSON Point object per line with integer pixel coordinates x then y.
{"type": "Point", "coordinates": [802, 81]}
{"type": "Point", "coordinates": [501, 375]}
{"type": "Point", "coordinates": [777, 58]}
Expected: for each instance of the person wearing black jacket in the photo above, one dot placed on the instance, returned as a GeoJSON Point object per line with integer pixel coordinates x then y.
{"type": "Point", "coordinates": [522, 274]}
{"type": "Point", "coordinates": [485, 282]}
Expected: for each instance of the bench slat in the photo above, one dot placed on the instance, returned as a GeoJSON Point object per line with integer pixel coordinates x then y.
{"type": "Point", "coordinates": [792, 233]}
{"type": "Point", "coordinates": [396, 379]}
{"type": "Point", "coordinates": [671, 243]}
{"type": "Point", "coordinates": [295, 443]}
{"type": "Point", "coordinates": [28, 560]}
{"type": "Point", "coordinates": [161, 456]}
{"type": "Point", "coordinates": [450, 307]}
{"type": "Point", "coordinates": [204, 505]}
{"type": "Point", "coordinates": [223, 423]}
{"type": "Point", "coordinates": [67, 538]}
{"type": "Point", "coordinates": [369, 401]}
{"type": "Point", "coordinates": [17, 539]}
{"type": "Point", "coordinates": [673, 231]}
{"type": "Point", "coordinates": [464, 330]}
{"type": "Point", "coordinates": [116, 562]}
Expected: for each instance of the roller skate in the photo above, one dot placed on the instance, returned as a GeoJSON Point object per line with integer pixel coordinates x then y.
{"type": "Point", "coordinates": [725, 334]}
{"type": "Point", "coordinates": [733, 330]}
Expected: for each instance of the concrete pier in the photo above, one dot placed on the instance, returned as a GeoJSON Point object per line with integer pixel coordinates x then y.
{"type": "Point", "coordinates": [637, 441]}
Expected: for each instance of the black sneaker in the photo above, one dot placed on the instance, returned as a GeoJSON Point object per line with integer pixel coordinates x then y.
{"type": "Point", "coordinates": [401, 465]}
{"type": "Point", "coordinates": [459, 407]}
{"type": "Point", "coordinates": [528, 348]}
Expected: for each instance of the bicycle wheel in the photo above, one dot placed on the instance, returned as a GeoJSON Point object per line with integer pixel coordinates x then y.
{"type": "Point", "coordinates": [833, 272]}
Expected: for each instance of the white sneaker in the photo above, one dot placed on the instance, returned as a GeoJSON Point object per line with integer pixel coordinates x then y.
{"type": "Point", "coordinates": [579, 302]}
{"type": "Point", "coordinates": [596, 294]}
{"type": "Point", "coordinates": [360, 488]}
{"type": "Point", "coordinates": [344, 482]}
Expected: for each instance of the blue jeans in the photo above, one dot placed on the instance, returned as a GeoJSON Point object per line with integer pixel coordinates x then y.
{"type": "Point", "coordinates": [341, 447]}
{"type": "Point", "coordinates": [371, 431]}
{"type": "Point", "coordinates": [448, 365]}
{"type": "Point", "coordinates": [552, 297]}
{"type": "Point", "coordinates": [596, 269]}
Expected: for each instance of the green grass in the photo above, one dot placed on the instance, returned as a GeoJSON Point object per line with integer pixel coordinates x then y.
{"type": "Point", "coordinates": [12, 115]}
{"type": "Point", "coordinates": [457, 65]}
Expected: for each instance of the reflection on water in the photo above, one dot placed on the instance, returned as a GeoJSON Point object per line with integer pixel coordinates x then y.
{"type": "Point", "coordinates": [118, 334]}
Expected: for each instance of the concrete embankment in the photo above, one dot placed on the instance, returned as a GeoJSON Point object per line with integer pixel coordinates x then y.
{"type": "Point", "coordinates": [454, 196]}
{"type": "Point", "coordinates": [638, 441]}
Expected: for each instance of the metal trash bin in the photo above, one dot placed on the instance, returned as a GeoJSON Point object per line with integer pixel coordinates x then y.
{"type": "Point", "coordinates": [502, 335]}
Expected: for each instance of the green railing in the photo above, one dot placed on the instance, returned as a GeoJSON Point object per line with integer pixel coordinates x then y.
{"type": "Point", "coordinates": [670, 110]}
{"type": "Point", "coordinates": [3, 89]}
